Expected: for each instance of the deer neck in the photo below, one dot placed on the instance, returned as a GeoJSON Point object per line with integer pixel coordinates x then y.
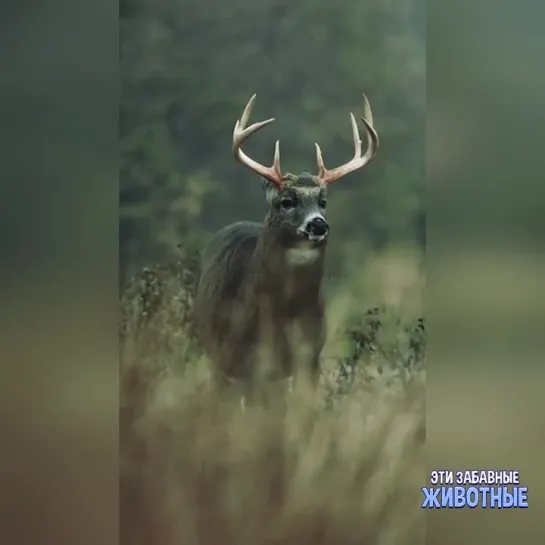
{"type": "Point", "coordinates": [279, 277]}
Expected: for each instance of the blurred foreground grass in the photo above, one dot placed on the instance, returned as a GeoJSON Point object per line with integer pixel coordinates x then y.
{"type": "Point", "coordinates": [339, 465]}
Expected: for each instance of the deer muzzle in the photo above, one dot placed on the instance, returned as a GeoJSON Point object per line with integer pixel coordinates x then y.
{"type": "Point", "coordinates": [315, 228]}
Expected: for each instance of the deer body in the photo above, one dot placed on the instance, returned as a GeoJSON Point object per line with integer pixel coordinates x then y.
{"type": "Point", "coordinates": [258, 307]}
{"type": "Point", "coordinates": [247, 316]}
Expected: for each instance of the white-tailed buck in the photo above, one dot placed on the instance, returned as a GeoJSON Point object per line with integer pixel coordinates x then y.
{"type": "Point", "coordinates": [258, 308]}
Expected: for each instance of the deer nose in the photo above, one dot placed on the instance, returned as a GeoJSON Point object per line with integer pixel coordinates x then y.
{"type": "Point", "coordinates": [317, 226]}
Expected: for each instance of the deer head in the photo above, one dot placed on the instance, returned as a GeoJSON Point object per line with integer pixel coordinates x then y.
{"type": "Point", "coordinates": [297, 216]}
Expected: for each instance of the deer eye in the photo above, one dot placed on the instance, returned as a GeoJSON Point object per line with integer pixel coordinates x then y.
{"type": "Point", "coordinates": [322, 203]}
{"type": "Point", "coordinates": [287, 203]}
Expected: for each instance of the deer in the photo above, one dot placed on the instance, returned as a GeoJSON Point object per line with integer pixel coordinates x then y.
{"type": "Point", "coordinates": [262, 282]}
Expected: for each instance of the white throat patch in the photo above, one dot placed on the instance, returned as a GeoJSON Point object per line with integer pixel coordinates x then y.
{"type": "Point", "coordinates": [301, 256]}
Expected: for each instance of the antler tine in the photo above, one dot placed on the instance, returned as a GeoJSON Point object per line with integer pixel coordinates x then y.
{"type": "Point", "coordinates": [358, 161]}
{"type": "Point", "coordinates": [248, 109]}
{"type": "Point", "coordinates": [320, 161]}
{"type": "Point", "coordinates": [368, 114]}
{"type": "Point", "coordinates": [356, 136]}
{"type": "Point", "coordinates": [276, 159]}
{"type": "Point", "coordinates": [241, 133]}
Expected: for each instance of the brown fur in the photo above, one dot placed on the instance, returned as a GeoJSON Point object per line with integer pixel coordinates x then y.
{"type": "Point", "coordinates": [252, 306]}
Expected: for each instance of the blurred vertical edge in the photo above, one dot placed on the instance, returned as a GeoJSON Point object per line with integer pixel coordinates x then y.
{"type": "Point", "coordinates": [485, 260]}
{"type": "Point", "coordinates": [58, 301]}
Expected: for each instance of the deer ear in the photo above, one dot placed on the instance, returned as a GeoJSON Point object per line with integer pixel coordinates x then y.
{"type": "Point", "coordinates": [270, 190]}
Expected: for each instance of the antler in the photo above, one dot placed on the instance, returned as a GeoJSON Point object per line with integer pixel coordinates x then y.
{"type": "Point", "coordinates": [358, 161]}
{"type": "Point", "coordinates": [241, 133]}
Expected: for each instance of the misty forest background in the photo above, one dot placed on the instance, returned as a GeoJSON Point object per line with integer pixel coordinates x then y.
{"type": "Point", "coordinates": [188, 67]}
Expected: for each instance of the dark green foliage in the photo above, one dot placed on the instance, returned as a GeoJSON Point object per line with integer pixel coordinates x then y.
{"type": "Point", "coordinates": [379, 331]}
{"type": "Point", "coordinates": [156, 307]}
{"type": "Point", "coordinates": [156, 329]}
{"type": "Point", "coordinates": [380, 344]}
{"type": "Point", "coordinates": [153, 290]}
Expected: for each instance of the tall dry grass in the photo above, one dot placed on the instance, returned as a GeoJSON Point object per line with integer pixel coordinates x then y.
{"type": "Point", "coordinates": [338, 465]}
